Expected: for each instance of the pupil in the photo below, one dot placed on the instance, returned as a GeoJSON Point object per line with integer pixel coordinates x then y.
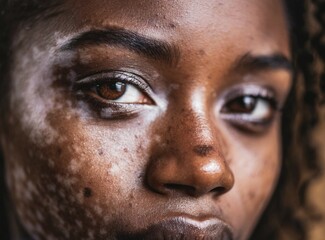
{"type": "Point", "coordinates": [117, 86]}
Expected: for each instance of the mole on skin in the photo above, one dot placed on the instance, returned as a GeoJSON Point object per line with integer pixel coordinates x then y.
{"type": "Point", "coordinates": [87, 192]}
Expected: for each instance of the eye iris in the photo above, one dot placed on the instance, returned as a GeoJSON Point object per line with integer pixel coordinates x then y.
{"type": "Point", "coordinates": [242, 105]}
{"type": "Point", "coordinates": [112, 90]}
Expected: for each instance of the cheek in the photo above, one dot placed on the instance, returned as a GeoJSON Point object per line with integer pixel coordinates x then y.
{"type": "Point", "coordinates": [81, 182]}
{"type": "Point", "coordinates": [68, 176]}
{"type": "Point", "coordinates": [256, 166]}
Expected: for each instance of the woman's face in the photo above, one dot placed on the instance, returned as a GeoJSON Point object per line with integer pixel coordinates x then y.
{"type": "Point", "coordinates": [146, 119]}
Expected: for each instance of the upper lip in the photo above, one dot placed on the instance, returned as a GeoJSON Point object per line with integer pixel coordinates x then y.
{"type": "Point", "coordinates": [185, 228]}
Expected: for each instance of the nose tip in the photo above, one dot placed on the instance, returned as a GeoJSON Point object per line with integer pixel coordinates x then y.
{"type": "Point", "coordinates": [195, 177]}
{"type": "Point", "coordinates": [189, 159]}
{"type": "Point", "coordinates": [212, 176]}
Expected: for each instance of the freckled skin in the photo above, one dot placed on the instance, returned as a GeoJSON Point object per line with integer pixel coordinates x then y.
{"type": "Point", "coordinates": [94, 178]}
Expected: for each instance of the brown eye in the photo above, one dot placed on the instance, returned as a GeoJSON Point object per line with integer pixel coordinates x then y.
{"type": "Point", "coordinates": [119, 92]}
{"type": "Point", "coordinates": [253, 109]}
{"type": "Point", "coordinates": [115, 88]}
{"type": "Point", "coordinates": [112, 90]}
{"type": "Point", "coordinates": [244, 104]}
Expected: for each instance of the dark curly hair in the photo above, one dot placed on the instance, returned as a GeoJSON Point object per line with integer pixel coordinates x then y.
{"type": "Point", "coordinates": [288, 213]}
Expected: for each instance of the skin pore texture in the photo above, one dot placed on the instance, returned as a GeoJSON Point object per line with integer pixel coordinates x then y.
{"type": "Point", "coordinates": [126, 118]}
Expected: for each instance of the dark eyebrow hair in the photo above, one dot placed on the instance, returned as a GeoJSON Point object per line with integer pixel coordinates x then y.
{"type": "Point", "coordinates": [263, 62]}
{"type": "Point", "coordinates": [152, 48]}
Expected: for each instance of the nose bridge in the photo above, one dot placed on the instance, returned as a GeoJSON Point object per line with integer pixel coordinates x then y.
{"type": "Point", "coordinates": [191, 119]}
{"type": "Point", "coordinates": [192, 129]}
{"type": "Point", "coordinates": [192, 132]}
{"type": "Point", "coordinates": [191, 160]}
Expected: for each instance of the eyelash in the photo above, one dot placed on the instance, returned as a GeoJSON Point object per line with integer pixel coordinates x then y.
{"type": "Point", "coordinates": [87, 88]}
{"type": "Point", "coordinates": [125, 77]}
{"type": "Point", "coordinates": [262, 97]}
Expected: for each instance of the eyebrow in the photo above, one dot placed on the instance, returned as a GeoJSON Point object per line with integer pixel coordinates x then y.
{"type": "Point", "coordinates": [149, 47]}
{"type": "Point", "coordinates": [252, 62]}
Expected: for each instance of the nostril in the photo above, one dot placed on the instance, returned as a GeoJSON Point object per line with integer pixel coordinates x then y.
{"type": "Point", "coordinates": [180, 188]}
{"type": "Point", "coordinates": [219, 190]}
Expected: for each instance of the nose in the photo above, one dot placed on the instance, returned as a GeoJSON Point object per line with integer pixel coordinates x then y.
{"type": "Point", "coordinates": [190, 159]}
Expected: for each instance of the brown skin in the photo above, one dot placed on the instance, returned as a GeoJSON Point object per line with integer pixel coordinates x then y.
{"type": "Point", "coordinates": [77, 170]}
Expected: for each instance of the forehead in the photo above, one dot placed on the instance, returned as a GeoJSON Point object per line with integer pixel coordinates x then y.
{"type": "Point", "coordinates": [190, 9]}
{"type": "Point", "coordinates": [226, 15]}
{"type": "Point", "coordinates": [264, 18]}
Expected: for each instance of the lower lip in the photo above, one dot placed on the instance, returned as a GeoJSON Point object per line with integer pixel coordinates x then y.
{"type": "Point", "coordinates": [185, 229]}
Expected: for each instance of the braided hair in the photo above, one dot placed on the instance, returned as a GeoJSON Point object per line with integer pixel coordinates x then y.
{"type": "Point", "coordinates": [289, 213]}
{"type": "Point", "coordinates": [318, 41]}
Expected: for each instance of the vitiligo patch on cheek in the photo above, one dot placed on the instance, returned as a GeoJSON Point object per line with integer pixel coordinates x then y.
{"type": "Point", "coordinates": [30, 101]}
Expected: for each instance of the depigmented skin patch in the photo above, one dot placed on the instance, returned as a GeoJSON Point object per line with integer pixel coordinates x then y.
{"type": "Point", "coordinates": [75, 172]}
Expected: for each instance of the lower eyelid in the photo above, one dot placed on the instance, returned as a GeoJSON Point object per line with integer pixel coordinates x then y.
{"type": "Point", "coordinates": [111, 110]}
{"type": "Point", "coordinates": [239, 117]}
{"type": "Point", "coordinates": [242, 124]}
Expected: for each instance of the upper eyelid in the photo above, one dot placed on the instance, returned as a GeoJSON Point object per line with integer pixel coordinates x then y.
{"type": "Point", "coordinates": [126, 77]}
{"type": "Point", "coordinates": [244, 90]}
{"type": "Point", "coordinates": [238, 91]}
